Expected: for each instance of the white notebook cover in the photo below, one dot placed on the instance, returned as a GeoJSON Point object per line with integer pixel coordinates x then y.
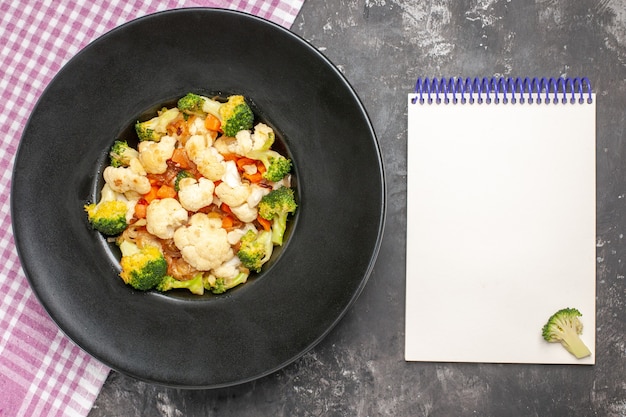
{"type": "Point", "coordinates": [500, 229]}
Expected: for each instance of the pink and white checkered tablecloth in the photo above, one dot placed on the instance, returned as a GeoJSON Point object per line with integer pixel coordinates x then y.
{"type": "Point", "coordinates": [42, 373]}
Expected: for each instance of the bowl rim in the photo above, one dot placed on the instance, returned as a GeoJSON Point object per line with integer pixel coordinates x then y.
{"type": "Point", "coordinates": [22, 245]}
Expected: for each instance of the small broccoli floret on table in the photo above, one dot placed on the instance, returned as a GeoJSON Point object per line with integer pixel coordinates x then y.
{"type": "Point", "coordinates": [142, 268]}
{"type": "Point", "coordinates": [234, 115]}
{"type": "Point", "coordinates": [565, 327]}
{"type": "Point", "coordinates": [276, 206]}
{"type": "Point", "coordinates": [221, 285]}
{"type": "Point", "coordinates": [121, 154]}
{"type": "Point", "coordinates": [194, 285]}
{"type": "Point", "coordinates": [255, 249]}
{"type": "Point", "coordinates": [155, 128]}
{"type": "Point", "coordinates": [108, 216]}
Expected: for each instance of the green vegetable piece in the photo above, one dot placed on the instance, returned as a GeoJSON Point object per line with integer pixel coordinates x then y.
{"type": "Point", "coordinates": [565, 327]}
{"type": "Point", "coordinates": [255, 249]}
{"type": "Point", "coordinates": [121, 154]}
{"type": "Point", "coordinates": [181, 174]}
{"type": "Point", "coordinates": [222, 285]}
{"type": "Point", "coordinates": [109, 217]}
{"type": "Point", "coordinates": [194, 285]}
{"type": "Point", "coordinates": [276, 206]}
{"type": "Point", "coordinates": [142, 268]}
{"type": "Point", "coordinates": [155, 128]}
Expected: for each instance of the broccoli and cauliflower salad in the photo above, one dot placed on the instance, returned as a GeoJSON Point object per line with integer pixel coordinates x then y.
{"type": "Point", "coordinates": [201, 202]}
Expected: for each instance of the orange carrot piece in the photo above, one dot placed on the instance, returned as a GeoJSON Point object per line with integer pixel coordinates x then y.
{"type": "Point", "coordinates": [212, 123]}
{"type": "Point", "coordinates": [241, 162]}
{"type": "Point", "coordinates": [260, 167]}
{"type": "Point", "coordinates": [225, 208]}
{"type": "Point", "coordinates": [227, 222]}
{"type": "Point", "coordinates": [267, 225]}
{"type": "Point", "coordinates": [180, 158]}
{"type": "Point", "coordinates": [254, 178]}
{"type": "Point", "coordinates": [141, 209]}
{"type": "Point", "coordinates": [152, 194]}
{"type": "Point", "coordinates": [231, 157]}
{"type": "Point", "coordinates": [165, 191]}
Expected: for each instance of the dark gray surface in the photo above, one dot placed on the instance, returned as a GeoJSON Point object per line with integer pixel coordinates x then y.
{"type": "Point", "coordinates": [358, 370]}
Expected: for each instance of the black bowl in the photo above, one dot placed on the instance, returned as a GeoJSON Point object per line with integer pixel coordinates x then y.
{"type": "Point", "coordinates": [253, 330]}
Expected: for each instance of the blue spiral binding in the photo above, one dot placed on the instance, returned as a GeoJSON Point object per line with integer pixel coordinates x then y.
{"type": "Point", "coordinates": [503, 90]}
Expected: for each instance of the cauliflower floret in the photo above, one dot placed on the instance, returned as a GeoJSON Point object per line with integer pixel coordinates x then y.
{"type": "Point", "coordinates": [123, 179]}
{"type": "Point", "coordinates": [197, 127]}
{"type": "Point", "coordinates": [136, 167]}
{"type": "Point", "coordinates": [228, 269]}
{"type": "Point", "coordinates": [228, 145]}
{"type": "Point", "coordinates": [195, 194]}
{"type": "Point", "coordinates": [232, 196]}
{"type": "Point", "coordinates": [243, 142]}
{"type": "Point", "coordinates": [195, 145]}
{"type": "Point", "coordinates": [154, 155]}
{"type": "Point", "coordinates": [263, 137]}
{"type": "Point", "coordinates": [207, 159]}
{"type": "Point", "coordinates": [203, 243]}
{"type": "Point", "coordinates": [164, 216]}
{"type": "Point", "coordinates": [245, 213]}
{"type": "Point", "coordinates": [256, 194]}
{"type": "Point", "coordinates": [231, 176]}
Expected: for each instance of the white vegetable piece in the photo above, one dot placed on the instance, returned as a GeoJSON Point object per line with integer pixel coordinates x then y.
{"type": "Point", "coordinates": [164, 216]}
{"type": "Point", "coordinates": [233, 196]}
{"type": "Point", "coordinates": [228, 269]}
{"type": "Point", "coordinates": [154, 155]}
{"type": "Point", "coordinates": [194, 194]}
{"type": "Point", "coordinates": [208, 160]}
{"type": "Point", "coordinates": [123, 179]}
{"type": "Point", "coordinates": [203, 243]}
{"type": "Point", "coordinates": [245, 213]}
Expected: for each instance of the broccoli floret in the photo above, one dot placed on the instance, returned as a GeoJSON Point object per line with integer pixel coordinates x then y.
{"type": "Point", "coordinates": [155, 128]}
{"type": "Point", "coordinates": [108, 216]}
{"type": "Point", "coordinates": [276, 206]}
{"type": "Point", "coordinates": [276, 165]}
{"type": "Point", "coordinates": [194, 285]}
{"type": "Point", "coordinates": [221, 285]}
{"type": "Point", "coordinates": [235, 114]}
{"type": "Point", "coordinates": [255, 249]}
{"type": "Point", "coordinates": [565, 327]}
{"type": "Point", "coordinates": [142, 268]}
{"type": "Point", "coordinates": [121, 154]}
{"type": "Point", "coordinates": [181, 174]}
{"type": "Point", "coordinates": [192, 104]}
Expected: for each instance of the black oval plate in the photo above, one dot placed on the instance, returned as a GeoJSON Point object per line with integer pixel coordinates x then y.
{"type": "Point", "coordinates": [215, 341]}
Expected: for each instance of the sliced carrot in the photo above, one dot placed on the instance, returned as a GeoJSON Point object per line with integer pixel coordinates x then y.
{"type": "Point", "coordinates": [152, 194]}
{"type": "Point", "coordinates": [180, 158]}
{"type": "Point", "coordinates": [225, 208]}
{"type": "Point", "coordinates": [231, 157]}
{"type": "Point", "coordinates": [212, 123]}
{"type": "Point", "coordinates": [242, 162]}
{"type": "Point", "coordinates": [141, 209]}
{"type": "Point", "coordinates": [260, 167]}
{"type": "Point", "coordinates": [165, 191]}
{"type": "Point", "coordinates": [267, 225]}
{"type": "Point", "coordinates": [254, 178]}
{"type": "Point", "coordinates": [227, 222]}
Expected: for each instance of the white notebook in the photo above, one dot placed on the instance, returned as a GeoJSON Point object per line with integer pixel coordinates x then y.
{"type": "Point", "coordinates": [501, 206]}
